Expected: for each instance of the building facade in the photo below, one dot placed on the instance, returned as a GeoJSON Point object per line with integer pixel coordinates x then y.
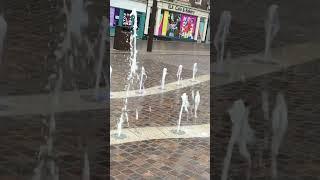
{"type": "Point", "coordinates": [179, 19]}
{"type": "Point", "coordinates": [120, 14]}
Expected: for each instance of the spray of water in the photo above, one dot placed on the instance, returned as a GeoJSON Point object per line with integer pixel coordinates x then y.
{"type": "Point", "coordinates": [143, 77]}
{"type": "Point", "coordinates": [137, 114]}
{"type": "Point", "coordinates": [242, 134]}
{"type": "Point", "coordinates": [133, 68]}
{"type": "Point", "coordinates": [220, 38]}
{"type": "Point", "coordinates": [272, 26]}
{"type": "Point", "coordinates": [196, 103]}
{"type": "Point", "coordinates": [48, 149]}
{"type": "Point", "coordinates": [133, 47]}
{"type": "Point", "coordinates": [119, 125]}
{"type": "Point", "coordinates": [184, 107]}
{"type": "Point", "coordinates": [194, 71]}
{"type": "Point", "coordinates": [110, 74]}
{"type": "Point", "coordinates": [179, 74]}
{"type": "Point", "coordinates": [163, 79]}
{"type": "Point", "coordinates": [86, 168]}
{"type": "Point", "coordinates": [279, 128]}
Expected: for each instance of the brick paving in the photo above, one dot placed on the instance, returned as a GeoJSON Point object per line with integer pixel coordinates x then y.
{"type": "Point", "coordinates": [120, 69]}
{"type": "Point", "coordinates": [298, 158]}
{"type": "Point", "coordinates": [22, 136]}
{"type": "Point", "coordinates": [165, 108]}
{"type": "Point", "coordinates": [161, 159]}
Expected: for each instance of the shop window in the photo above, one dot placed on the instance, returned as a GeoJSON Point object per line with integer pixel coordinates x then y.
{"type": "Point", "coordinates": [198, 1]}
{"type": "Point", "coordinates": [170, 24]}
{"type": "Point", "coordinates": [128, 20]}
{"type": "Point", "coordinates": [187, 26]}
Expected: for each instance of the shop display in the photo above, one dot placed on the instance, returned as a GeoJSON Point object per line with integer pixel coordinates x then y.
{"type": "Point", "coordinates": [174, 23]}
{"type": "Point", "coordinates": [169, 25]}
{"type": "Point", "coordinates": [187, 26]}
{"type": "Point", "coordinates": [126, 18]}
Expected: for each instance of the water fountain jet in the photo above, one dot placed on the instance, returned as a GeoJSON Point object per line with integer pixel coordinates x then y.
{"type": "Point", "coordinates": [272, 27]}
{"type": "Point", "coordinates": [194, 71]}
{"type": "Point", "coordinates": [164, 74]}
{"type": "Point", "coordinates": [242, 135]}
{"type": "Point", "coordinates": [86, 167]}
{"type": "Point", "coordinates": [184, 107]}
{"type": "Point", "coordinates": [179, 74]}
{"type": "Point", "coordinates": [219, 41]}
{"type": "Point", "coordinates": [196, 103]}
{"type": "Point", "coordinates": [142, 80]}
{"type": "Point", "coordinates": [279, 128]}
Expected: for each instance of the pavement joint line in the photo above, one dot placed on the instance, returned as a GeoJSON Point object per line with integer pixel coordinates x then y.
{"type": "Point", "coordinates": [196, 53]}
{"type": "Point", "coordinates": [150, 133]}
{"type": "Point", "coordinates": [161, 131]}
{"type": "Point", "coordinates": [70, 101]}
{"type": "Point", "coordinates": [155, 90]}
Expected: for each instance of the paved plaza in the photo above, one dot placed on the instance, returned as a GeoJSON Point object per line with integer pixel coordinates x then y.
{"type": "Point", "coordinates": [298, 158]}
{"type": "Point", "coordinates": [154, 152]}
{"type": "Point", "coordinates": [150, 147]}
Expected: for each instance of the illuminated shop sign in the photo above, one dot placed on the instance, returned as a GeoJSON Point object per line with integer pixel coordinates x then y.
{"type": "Point", "coordinates": [181, 9]}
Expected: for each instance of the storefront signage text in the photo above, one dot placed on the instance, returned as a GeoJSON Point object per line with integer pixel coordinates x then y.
{"type": "Point", "coordinates": [180, 9]}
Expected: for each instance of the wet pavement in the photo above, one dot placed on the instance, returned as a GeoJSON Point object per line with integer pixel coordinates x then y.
{"type": "Point", "coordinates": [298, 158]}
{"type": "Point", "coordinates": [160, 45]}
{"type": "Point", "coordinates": [161, 159]}
{"type": "Point", "coordinates": [121, 67]}
{"type": "Point", "coordinates": [163, 109]}
{"type": "Point", "coordinates": [20, 145]}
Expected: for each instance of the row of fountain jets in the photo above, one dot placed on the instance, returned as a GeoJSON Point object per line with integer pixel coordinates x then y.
{"type": "Point", "coordinates": [272, 27]}
{"type": "Point", "coordinates": [243, 135]}
{"type": "Point", "coordinates": [142, 78]}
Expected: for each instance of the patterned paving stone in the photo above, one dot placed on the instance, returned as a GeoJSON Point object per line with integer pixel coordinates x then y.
{"type": "Point", "coordinates": [173, 161]}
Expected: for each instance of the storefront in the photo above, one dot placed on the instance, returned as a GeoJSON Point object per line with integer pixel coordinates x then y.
{"type": "Point", "coordinates": [120, 15]}
{"type": "Point", "coordinates": [180, 22]}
